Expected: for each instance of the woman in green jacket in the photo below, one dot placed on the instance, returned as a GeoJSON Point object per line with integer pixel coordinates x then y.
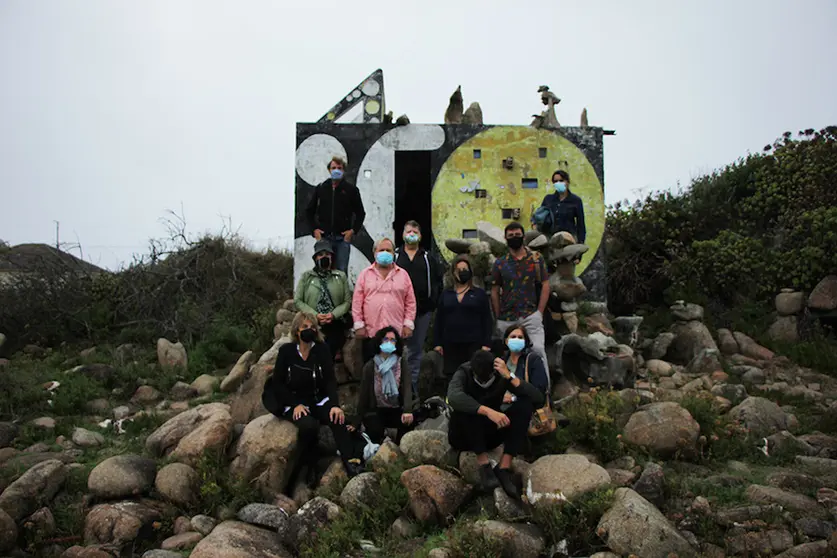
{"type": "Point", "coordinates": [324, 292]}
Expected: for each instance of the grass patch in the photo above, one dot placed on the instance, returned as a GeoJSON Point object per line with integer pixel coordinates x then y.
{"type": "Point", "coordinates": [218, 488]}
{"type": "Point", "coordinates": [593, 424]}
{"type": "Point", "coordinates": [724, 438]}
{"type": "Point", "coordinates": [576, 521]}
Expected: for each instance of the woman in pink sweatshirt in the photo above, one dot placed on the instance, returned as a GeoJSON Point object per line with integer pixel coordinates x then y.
{"type": "Point", "coordinates": [383, 297]}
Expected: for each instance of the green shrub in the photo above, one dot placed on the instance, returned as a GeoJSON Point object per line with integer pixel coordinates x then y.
{"type": "Point", "coordinates": [592, 424]}
{"type": "Point", "coordinates": [722, 438]}
{"type": "Point", "coordinates": [576, 522]}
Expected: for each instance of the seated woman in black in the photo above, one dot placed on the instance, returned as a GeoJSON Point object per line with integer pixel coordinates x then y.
{"type": "Point", "coordinates": [518, 362]}
{"type": "Point", "coordinates": [303, 389]}
{"type": "Point", "coordinates": [386, 399]}
{"type": "Point", "coordinates": [463, 318]}
{"type": "Point", "coordinates": [476, 395]}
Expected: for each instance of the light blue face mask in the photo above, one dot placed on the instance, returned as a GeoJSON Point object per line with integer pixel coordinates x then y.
{"type": "Point", "coordinates": [411, 238]}
{"type": "Point", "coordinates": [515, 345]}
{"type": "Point", "coordinates": [560, 187]}
{"type": "Point", "coordinates": [336, 174]}
{"type": "Point", "coordinates": [387, 347]}
{"type": "Point", "coordinates": [384, 258]}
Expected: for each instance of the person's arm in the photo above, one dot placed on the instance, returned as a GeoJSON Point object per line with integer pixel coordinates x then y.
{"type": "Point", "coordinates": [496, 283]}
{"type": "Point", "coordinates": [457, 398]}
{"type": "Point", "coordinates": [409, 303]}
{"type": "Point", "coordinates": [280, 380]}
{"type": "Point", "coordinates": [487, 319]}
{"type": "Point", "coordinates": [343, 308]}
{"type": "Point", "coordinates": [311, 209]}
{"type": "Point", "coordinates": [579, 222]}
{"type": "Point", "coordinates": [544, 299]}
{"type": "Point", "coordinates": [357, 301]}
{"type": "Point", "coordinates": [535, 388]}
{"type": "Point", "coordinates": [299, 297]}
{"type": "Point", "coordinates": [359, 211]}
{"type": "Point", "coordinates": [364, 402]}
{"type": "Point", "coordinates": [439, 323]}
{"type": "Point", "coordinates": [406, 386]}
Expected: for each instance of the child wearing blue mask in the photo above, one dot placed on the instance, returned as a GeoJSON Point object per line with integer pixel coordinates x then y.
{"type": "Point", "coordinates": [386, 399]}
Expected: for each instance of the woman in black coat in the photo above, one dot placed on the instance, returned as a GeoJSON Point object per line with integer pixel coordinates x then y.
{"type": "Point", "coordinates": [303, 390]}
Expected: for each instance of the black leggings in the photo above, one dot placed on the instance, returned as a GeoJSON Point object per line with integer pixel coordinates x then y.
{"type": "Point", "coordinates": [382, 418]}
{"type": "Point", "coordinates": [476, 433]}
{"type": "Point", "coordinates": [335, 337]}
{"type": "Point", "coordinates": [309, 430]}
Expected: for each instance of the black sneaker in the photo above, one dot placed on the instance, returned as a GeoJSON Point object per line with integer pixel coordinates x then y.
{"type": "Point", "coordinates": [488, 480]}
{"type": "Point", "coordinates": [506, 480]}
{"type": "Point", "coordinates": [354, 467]}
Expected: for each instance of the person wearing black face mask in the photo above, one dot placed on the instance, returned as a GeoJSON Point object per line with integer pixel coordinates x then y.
{"type": "Point", "coordinates": [303, 390]}
{"type": "Point", "coordinates": [463, 319]}
{"type": "Point", "coordinates": [324, 292]}
{"type": "Point", "coordinates": [476, 394]}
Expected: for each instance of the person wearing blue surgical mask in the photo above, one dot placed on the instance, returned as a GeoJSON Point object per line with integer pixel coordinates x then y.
{"type": "Point", "coordinates": [335, 213]}
{"type": "Point", "coordinates": [515, 361]}
{"type": "Point", "coordinates": [386, 399]}
{"type": "Point", "coordinates": [561, 210]}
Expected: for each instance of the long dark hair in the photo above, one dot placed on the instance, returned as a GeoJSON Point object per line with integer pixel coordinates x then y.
{"type": "Point", "coordinates": [379, 338]}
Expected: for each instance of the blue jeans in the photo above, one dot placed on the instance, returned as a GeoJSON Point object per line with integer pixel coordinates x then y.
{"type": "Point", "coordinates": [342, 250]}
{"type": "Point", "coordinates": [415, 349]}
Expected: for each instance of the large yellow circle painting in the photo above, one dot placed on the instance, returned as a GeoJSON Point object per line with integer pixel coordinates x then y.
{"type": "Point", "coordinates": [474, 184]}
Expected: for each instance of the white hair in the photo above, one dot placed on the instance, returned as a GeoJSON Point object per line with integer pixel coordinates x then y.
{"type": "Point", "coordinates": [385, 239]}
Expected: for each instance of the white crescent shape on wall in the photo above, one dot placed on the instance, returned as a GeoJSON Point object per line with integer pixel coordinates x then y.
{"type": "Point", "coordinates": [313, 156]}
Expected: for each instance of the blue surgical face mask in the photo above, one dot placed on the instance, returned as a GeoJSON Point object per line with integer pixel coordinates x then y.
{"type": "Point", "coordinates": [336, 174]}
{"type": "Point", "coordinates": [411, 238]}
{"type": "Point", "coordinates": [383, 258]}
{"type": "Point", "coordinates": [560, 187]}
{"type": "Point", "coordinates": [387, 347]}
{"type": "Point", "coordinates": [515, 345]}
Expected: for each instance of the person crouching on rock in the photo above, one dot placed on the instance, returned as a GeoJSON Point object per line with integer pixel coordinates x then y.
{"type": "Point", "coordinates": [476, 394]}
{"type": "Point", "coordinates": [303, 390]}
{"type": "Point", "coordinates": [386, 399]}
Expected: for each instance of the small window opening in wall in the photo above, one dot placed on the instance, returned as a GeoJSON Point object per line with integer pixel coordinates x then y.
{"type": "Point", "coordinates": [511, 213]}
{"type": "Point", "coordinates": [469, 233]}
{"type": "Point", "coordinates": [542, 152]}
{"type": "Point", "coordinates": [530, 183]}
{"type": "Point", "coordinates": [367, 173]}
{"type": "Point", "coordinates": [480, 193]}
{"type": "Point", "coordinates": [477, 153]}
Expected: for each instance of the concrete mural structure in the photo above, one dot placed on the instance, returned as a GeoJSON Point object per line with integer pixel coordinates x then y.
{"type": "Point", "coordinates": [448, 177]}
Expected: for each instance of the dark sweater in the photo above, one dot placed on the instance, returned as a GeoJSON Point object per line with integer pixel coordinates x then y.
{"type": "Point", "coordinates": [466, 396]}
{"type": "Point", "coordinates": [366, 397]}
{"type": "Point", "coordinates": [469, 321]}
{"type": "Point", "coordinates": [304, 382]}
{"type": "Point", "coordinates": [568, 215]}
{"type": "Point", "coordinates": [335, 210]}
{"type": "Point", "coordinates": [425, 275]}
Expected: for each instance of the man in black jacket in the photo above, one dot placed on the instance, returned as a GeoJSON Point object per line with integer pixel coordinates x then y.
{"type": "Point", "coordinates": [336, 213]}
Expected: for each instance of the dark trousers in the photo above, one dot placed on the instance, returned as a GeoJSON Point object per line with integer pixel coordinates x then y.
{"type": "Point", "coordinates": [335, 336]}
{"type": "Point", "coordinates": [382, 418]}
{"type": "Point", "coordinates": [309, 430]}
{"type": "Point", "coordinates": [456, 354]}
{"type": "Point", "coordinates": [476, 433]}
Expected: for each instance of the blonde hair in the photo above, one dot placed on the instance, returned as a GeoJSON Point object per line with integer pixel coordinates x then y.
{"type": "Point", "coordinates": [297, 323]}
{"type": "Point", "coordinates": [385, 239]}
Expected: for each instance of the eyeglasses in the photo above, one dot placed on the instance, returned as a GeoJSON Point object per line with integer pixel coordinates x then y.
{"type": "Point", "coordinates": [391, 339]}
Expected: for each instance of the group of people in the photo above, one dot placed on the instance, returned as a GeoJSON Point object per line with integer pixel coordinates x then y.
{"type": "Point", "coordinates": [492, 396]}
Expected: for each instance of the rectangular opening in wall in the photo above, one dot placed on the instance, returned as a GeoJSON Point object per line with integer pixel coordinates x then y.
{"type": "Point", "coordinates": [477, 154]}
{"type": "Point", "coordinates": [413, 186]}
{"type": "Point", "coordinates": [511, 213]}
{"type": "Point", "coordinates": [542, 152]}
{"type": "Point", "coordinates": [480, 193]}
{"type": "Point", "coordinates": [530, 183]}
{"type": "Point", "coordinates": [469, 233]}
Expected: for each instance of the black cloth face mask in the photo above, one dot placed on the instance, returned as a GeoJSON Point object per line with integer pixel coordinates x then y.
{"type": "Point", "coordinates": [515, 242]}
{"type": "Point", "coordinates": [307, 335]}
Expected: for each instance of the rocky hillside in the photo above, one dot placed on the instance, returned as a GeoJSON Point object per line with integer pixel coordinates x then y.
{"type": "Point", "coordinates": [708, 445]}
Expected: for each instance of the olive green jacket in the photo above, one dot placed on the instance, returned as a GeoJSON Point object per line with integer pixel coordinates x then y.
{"type": "Point", "coordinates": [308, 292]}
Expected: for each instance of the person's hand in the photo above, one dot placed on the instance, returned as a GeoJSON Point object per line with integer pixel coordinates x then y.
{"type": "Point", "coordinates": [501, 368]}
{"type": "Point", "coordinates": [329, 318]}
{"type": "Point", "coordinates": [499, 419]}
{"type": "Point", "coordinates": [361, 333]}
{"type": "Point", "coordinates": [439, 350]}
{"type": "Point", "coordinates": [407, 418]}
{"type": "Point", "coordinates": [348, 235]}
{"type": "Point", "coordinates": [507, 398]}
{"type": "Point", "coordinates": [318, 234]}
{"type": "Point", "coordinates": [300, 411]}
{"type": "Point", "coordinates": [486, 348]}
{"type": "Point", "coordinates": [350, 428]}
{"type": "Point", "coordinates": [406, 332]}
{"type": "Point", "coordinates": [336, 415]}
{"type": "Point", "coordinates": [322, 318]}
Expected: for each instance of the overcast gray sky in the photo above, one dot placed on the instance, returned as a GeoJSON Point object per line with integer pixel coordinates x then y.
{"type": "Point", "coordinates": [112, 113]}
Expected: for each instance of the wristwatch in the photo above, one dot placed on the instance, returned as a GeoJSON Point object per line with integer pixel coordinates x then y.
{"type": "Point", "coordinates": [512, 376]}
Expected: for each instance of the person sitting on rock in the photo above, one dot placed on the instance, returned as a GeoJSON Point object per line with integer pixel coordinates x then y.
{"type": "Point", "coordinates": [476, 394]}
{"type": "Point", "coordinates": [386, 399]}
{"type": "Point", "coordinates": [324, 292]}
{"type": "Point", "coordinates": [518, 360]}
{"type": "Point", "coordinates": [303, 390]}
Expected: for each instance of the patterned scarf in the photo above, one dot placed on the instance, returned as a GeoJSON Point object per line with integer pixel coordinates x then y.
{"type": "Point", "coordinates": [387, 375]}
{"type": "Point", "coordinates": [325, 304]}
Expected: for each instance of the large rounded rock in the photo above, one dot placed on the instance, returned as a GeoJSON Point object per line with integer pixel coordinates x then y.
{"type": "Point", "coordinates": [311, 520]}
{"type": "Point", "coordinates": [558, 478]}
{"type": "Point", "coordinates": [238, 373]}
{"type": "Point", "coordinates": [178, 483]}
{"type": "Point", "coordinates": [265, 454]}
{"type": "Point", "coordinates": [518, 540]}
{"type": "Point", "coordinates": [122, 476]}
{"type": "Point", "coordinates": [246, 404]}
{"type": "Point", "coordinates": [634, 526]}
{"type": "Point", "coordinates": [760, 416]}
{"type": "Point", "coordinates": [119, 523]}
{"type": "Point", "coordinates": [191, 434]}
{"type": "Point", "coordinates": [434, 494]}
{"type": "Point", "coordinates": [171, 355]}
{"type": "Point", "coordinates": [34, 489]}
{"type": "Point", "coordinates": [690, 338]}
{"type": "Point", "coordinates": [361, 490]}
{"type": "Point", "coordinates": [427, 447]}
{"type": "Point", "coordinates": [663, 428]}
{"type": "Point", "coordinates": [789, 304]}
{"type": "Point", "coordinates": [750, 348]}
{"type": "Point", "coordinates": [824, 295]}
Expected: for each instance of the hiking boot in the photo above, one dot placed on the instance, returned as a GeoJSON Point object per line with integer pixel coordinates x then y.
{"type": "Point", "coordinates": [354, 467]}
{"type": "Point", "coordinates": [488, 480]}
{"type": "Point", "coordinates": [506, 480]}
